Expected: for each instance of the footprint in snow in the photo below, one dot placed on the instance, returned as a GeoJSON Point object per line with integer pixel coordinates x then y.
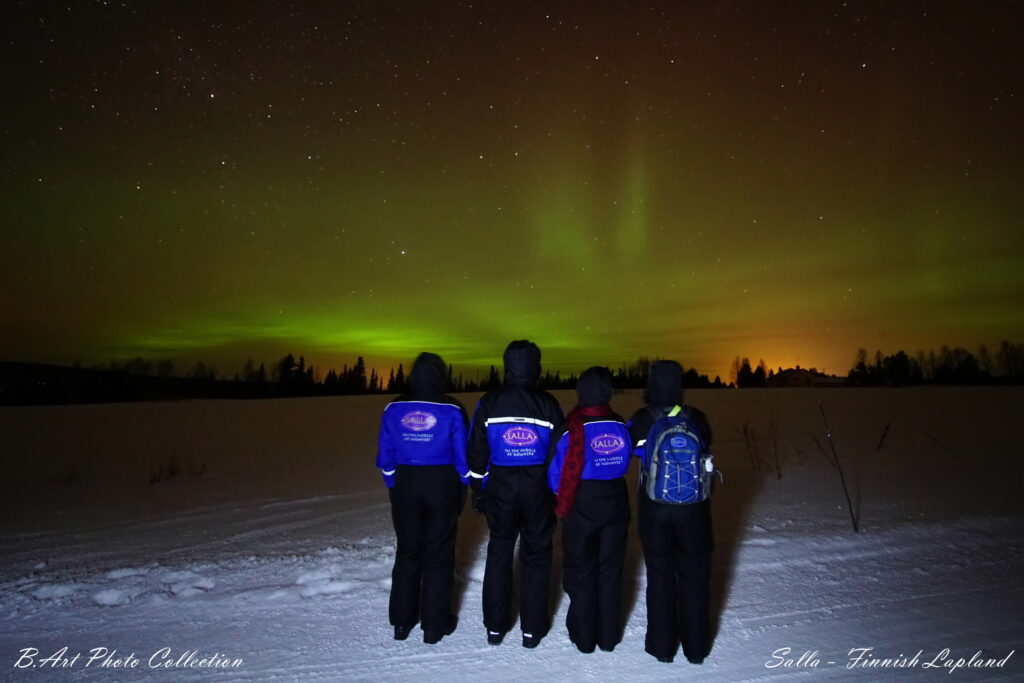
{"type": "Point", "coordinates": [327, 587]}
{"type": "Point", "coordinates": [126, 572]}
{"type": "Point", "coordinates": [54, 591]}
{"type": "Point", "coordinates": [761, 542]}
{"type": "Point", "coordinates": [185, 584]}
{"type": "Point", "coordinates": [322, 582]}
{"type": "Point", "coordinates": [187, 589]}
{"type": "Point", "coordinates": [315, 576]}
{"type": "Point", "coordinates": [112, 597]}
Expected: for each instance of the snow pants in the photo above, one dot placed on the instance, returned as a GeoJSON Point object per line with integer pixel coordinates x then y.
{"type": "Point", "coordinates": [519, 505]}
{"type": "Point", "coordinates": [594, 545]}
{"type": "Point", "coordinates": [425, 504]}
{"type": "Point", "coordinates": [677, 547]}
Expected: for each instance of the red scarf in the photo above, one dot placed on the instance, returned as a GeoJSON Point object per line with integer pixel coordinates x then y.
{"type": "Point", "coordinates": [572, 468]}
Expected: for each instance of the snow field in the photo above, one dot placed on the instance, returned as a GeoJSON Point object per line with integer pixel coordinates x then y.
{"type": "Point", "coordinates": [291, 573]}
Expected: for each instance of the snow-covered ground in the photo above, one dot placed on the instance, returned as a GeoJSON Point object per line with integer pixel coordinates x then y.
{"type": "Point", "coordinates": [271, 543]}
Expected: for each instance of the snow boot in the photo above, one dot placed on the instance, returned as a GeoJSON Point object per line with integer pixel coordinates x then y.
{"type": "Point", "coordinates": [434, 636]}
{"type": "Point", "coordinates": [530, 640]}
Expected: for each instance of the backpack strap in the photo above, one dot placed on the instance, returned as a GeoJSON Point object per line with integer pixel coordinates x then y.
{"type": "Point", "coordinates": [658, 414]}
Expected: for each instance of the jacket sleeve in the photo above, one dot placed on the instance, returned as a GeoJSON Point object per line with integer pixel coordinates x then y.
{"type": "Point", "coordinates": [639, 425]}
{"type": "Point", "coordinates": [387, 455]}
{"type": "Point", "coordinates": [478, 450]}
{"type": "Point", "coordinates": [557, 457]}
{"type": "Point", "coordinates": [459, 437]}
{"type": "Point", "coordinates": [556, 417]}
{"type": "Point", "coordinates": [701, 420]}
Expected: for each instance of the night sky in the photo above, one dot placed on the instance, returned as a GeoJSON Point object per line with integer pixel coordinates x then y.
{"type": "Point", "coordinates": [214, 181]}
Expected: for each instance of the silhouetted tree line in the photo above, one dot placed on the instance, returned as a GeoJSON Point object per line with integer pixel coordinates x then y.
{"type": "Point", "coordinates": [634, 376]}
{"type": "Point", "coordinates": [742, 376]}
{"type": "Point", "coordinates": [954, 365]}
{"type": "Point", "coordinates": [37, 384]}
{"type": "Point", "coordinates": [140, 379]}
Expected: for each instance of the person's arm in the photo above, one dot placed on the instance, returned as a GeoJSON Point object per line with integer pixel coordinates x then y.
{"type": "Point", "coordinates": [639, 426]}
{"type": "Point", "coordinates": [478, 451]}
{"type": "Point", "coordinates": [701, 420]}
{"type": "Point", "coordinates": [387, 455]}
{"type": "Point", "coordinates": [556, 417]}
{"type": "Point", "coordinates": [478, 456]}
{"type": "Point", "coordinates": [559, 444]}
{"type": "Point", "coordinates": [459, 436]}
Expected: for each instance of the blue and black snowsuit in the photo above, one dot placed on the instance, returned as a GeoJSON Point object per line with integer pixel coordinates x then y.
{"type": "Point", "coordinates": [422, 456]}
{"type": "Point", "coordinates": [508, 448]}
{"type": "Point", "coordinates": [676, 539]}
{"type": "Point", "coordinates": [594, 533]}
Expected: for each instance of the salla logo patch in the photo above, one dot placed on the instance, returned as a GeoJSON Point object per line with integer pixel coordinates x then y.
{"type": "Point", "coordinates": [607, 444]}
{"type": "Point", "coordinates": [519, 436]}
{"type": "Point", "coordinates": [418, 421]}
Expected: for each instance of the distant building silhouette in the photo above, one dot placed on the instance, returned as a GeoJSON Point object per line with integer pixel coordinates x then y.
{"type": "Point", "coordinates": [802, 377]}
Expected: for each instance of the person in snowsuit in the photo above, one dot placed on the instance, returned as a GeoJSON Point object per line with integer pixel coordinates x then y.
{"type": "Point", "coordinates": [507, 454]}
{"type": "Point", "coordinates": [676, 539]}
{"type": "Point", "coordinates": [422, 456]}
{"type": "Point", "coordinates": [590, 457]}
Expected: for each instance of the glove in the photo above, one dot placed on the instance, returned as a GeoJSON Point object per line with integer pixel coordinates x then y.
{"type": "Point", "coordinates": [479, 498]}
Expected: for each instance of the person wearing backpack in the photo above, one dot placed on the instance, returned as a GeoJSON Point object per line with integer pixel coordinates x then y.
{"type": "Point", "coordinates": [590, 457]}
{"type": "Point", "coordinates": [507, 455]}
{"type": "Point", "coordinates": [674, 516]}
{"type": "Point", "coordinates": [422, 456]}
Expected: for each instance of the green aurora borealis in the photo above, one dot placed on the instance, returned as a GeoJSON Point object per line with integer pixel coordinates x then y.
{"type": "Point", "coordinates": [780, 180]}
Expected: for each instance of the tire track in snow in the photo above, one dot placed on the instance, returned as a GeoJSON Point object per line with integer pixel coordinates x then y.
{"type": "Point", "coordinates": [104, 546]}
{"type": "Point", "coordinates": [279, 528]}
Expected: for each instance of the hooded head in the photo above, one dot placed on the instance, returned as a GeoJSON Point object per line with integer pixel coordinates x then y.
{"type": "Point", "coordinates": [595, 386]}
{"type": "Point", "coordinates": [522, 363]}
{"type": "Point", "coordinates": [665, 384]}
{"type": "Point", "coordinates": [429, 375]}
